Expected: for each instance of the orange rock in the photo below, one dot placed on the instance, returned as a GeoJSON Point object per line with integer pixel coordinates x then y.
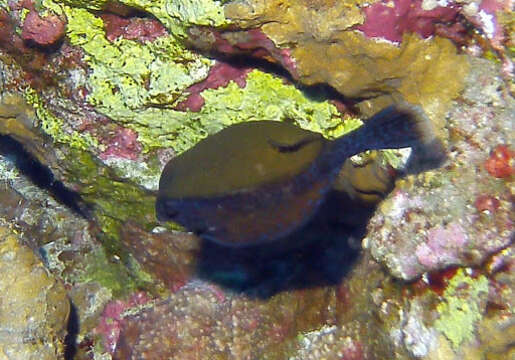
{"type": "Point", "coordinates": [500, 163]}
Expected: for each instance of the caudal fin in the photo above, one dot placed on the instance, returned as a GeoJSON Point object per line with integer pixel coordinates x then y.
{"type": "Point", "coordinates": [398, 126]}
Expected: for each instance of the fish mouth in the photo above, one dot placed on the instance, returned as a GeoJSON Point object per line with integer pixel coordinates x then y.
{"type": "Point", "coordinates": [165, 210]}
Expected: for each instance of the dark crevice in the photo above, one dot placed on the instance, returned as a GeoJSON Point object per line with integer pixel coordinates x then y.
{"type": "Point", "coordinates": [41, 175]}
{"type": "Point", "coordinates": [45, 49]}
{"type": "Point", "coordinates": [247, 61]}
{"type": "Point", "coordinates": [124, 11]}
{"type": "Point", "coordinates": [316, 92]}
{"type": "Point", "coordinates": [72, 329]}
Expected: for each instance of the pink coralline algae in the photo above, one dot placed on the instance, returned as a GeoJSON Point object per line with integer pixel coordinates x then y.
{"type": "Point", "coordinates": [112, 319]}
{"type": "Point", "coordinates": [43, 31]}
{"type": "Point", "coordinates": [353, 351]}
{"type": "Point", "coordinates": [459, 214]}
{"type": "Point", "coordinates": [263, 47]}
{"type": "Point", "coordinates": [254, 43]}
{"type": "Point", "coordinates": [442, 246]}
{"type": "Point", "coordinates": [7, 35]}
{"type": "Point", "coordinates": [124, 144]}
{"type": "Point", "coordinates": [486, 20]}
{"type": "Point", "coordinates": [132, 28]}
{"type": "Point", "coordinates": [219, 75]}
{"type": "Point", "coordinates": [29, 57]}
{"type": "Point", "coordinates": [391, 19]}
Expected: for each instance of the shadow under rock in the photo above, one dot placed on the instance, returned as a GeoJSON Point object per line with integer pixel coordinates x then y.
{"type": "Point", "coordinates": [73, 327]}
{"type": "Point", "coordinates": [320, 253]}
{"type": "Point", "coordinates": [41, 175]}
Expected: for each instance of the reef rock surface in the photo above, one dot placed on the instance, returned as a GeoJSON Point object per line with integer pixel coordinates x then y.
{"type": "Point", "coordinates": [97, 96]}
{"type": "Point", "coordinates": [35, 306]}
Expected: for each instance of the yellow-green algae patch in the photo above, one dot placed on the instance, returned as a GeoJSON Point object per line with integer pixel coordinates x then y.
{"type": "Point", "coordinates": [54, 126]}
{"type": "Point", "coordinates": [114, 203]}
{"type": "Point", "coordinates": [175, 15]}
{"type": "Point", "coordinates": [137, 85]}
{"type": "Point", "coordinates": [266, 97]}
{"type": "Point", "coordinates": [111, 275]}
{"type": "Point", "coordinates": [134, 83]}
{"type": "Point", "coordinates": [460, 309]}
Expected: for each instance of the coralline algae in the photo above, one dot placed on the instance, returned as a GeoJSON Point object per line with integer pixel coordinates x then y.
{"type": "Point", "coordinates": [366, 316]}
{"type": "Point", "coordinates": [434, 220]}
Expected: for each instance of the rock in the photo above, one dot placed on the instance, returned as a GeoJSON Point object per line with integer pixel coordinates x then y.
{"type": "Point", "coordinates": [122, 94]}
{"type": "Point", "coordinates": [354, 65]}
{"type": "Point", "coordinates": [202, 321]}
{"type": "Point", "coordinates": [461, 213]}
{"type": "Point", "coordinates": [43, 31]}
{"type": "Point", "coordinates": [35, 307]}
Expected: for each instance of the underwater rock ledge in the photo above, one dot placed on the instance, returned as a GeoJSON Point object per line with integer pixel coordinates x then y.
{"type": "Point", "coordinates": [121, 87]}
{"type": "Point", "coordinates": [440, 218]}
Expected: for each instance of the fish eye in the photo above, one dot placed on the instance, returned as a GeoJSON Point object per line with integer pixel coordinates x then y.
{"type": "Point", "coordinates": [167, 210]}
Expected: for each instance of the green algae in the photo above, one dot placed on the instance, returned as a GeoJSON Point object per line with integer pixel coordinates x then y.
{"type": "Point", "coordinates": [175, 15]}
{"type": "Point", "coordinates": [460, 309]}
{"type": "Point", "coordinates": [120, 276]}
{"type": "Point", "coordinates": [134, 83]}
{"type": "Point", "coordinates": [203, 12]}
{"type": "Point", "coordinates": [111, 275]}
{"type": "Point", "coordinates": [54, 126]}
{"type": "Point", "coordinates": [138, 84]}
{"type": "Point", "coordinates": [127, 75]}
{"type": "Point", "coordinates": [114, 203]}
{"type": "Point", "coordinates": [266, 97]}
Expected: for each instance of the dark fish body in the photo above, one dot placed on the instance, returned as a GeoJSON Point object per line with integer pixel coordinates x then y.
{"type": "Point", "coordinates": [239, 158]}
{"type": "Point", "coordinates": [258, 181]}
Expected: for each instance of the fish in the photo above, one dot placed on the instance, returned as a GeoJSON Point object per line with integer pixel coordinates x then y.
{"type": "Point", "coordinates": [255, 182]}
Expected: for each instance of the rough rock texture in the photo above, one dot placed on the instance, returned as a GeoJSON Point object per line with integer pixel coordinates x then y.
{"type": "Point", "coordinates": [352, 64]}
{"type": "Point", "coordinates": [34, 305]}
{"type": "Point", "coordinates": [202, 320]}
{"type": "Point", "coordinates": [98, 112]}
{"type": "Point", "coordinates": [461, 213]}
{"type": "Point", "coordinates": [43, 31]}
{"type": "Point", "coordinates": [448, 316]}
{"type": "Point", "coordinates": [170, 256]}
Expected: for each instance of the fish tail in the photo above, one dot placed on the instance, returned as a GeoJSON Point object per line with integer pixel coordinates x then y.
{"type": "Point", "coordinates": [397, 126]}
